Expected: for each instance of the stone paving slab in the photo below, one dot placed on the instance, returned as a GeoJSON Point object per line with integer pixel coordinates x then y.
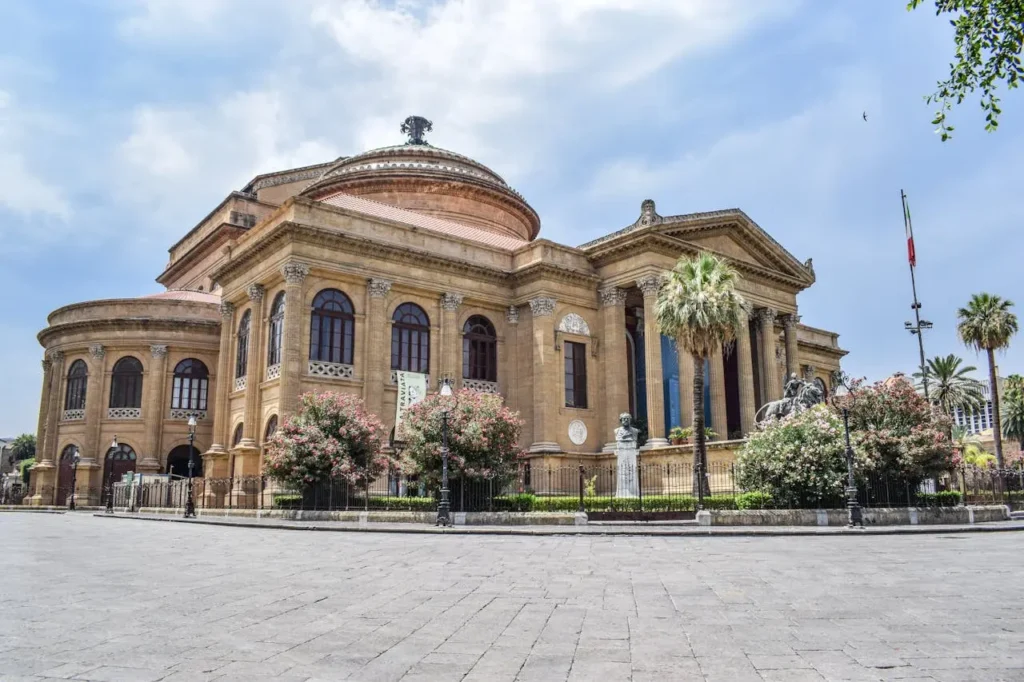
{"type": "Point", "coordinates": [85, 598]}
{"type": "Point", "coordinates": [604, 528]}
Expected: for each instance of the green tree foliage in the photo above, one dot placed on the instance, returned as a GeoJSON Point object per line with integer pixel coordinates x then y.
{"type": "Point", "coordinates": [699, 307]}
{"type": "Point", "coordinates": [987, 324]}
{"type": "Point", "coordinates": [949, 384]}
{"type": "Point", "coordinates": [483, 437]}
{"type": "Point", "coordinates": [895, 432]}
{"type": "Point", "coordinates": [988, 37]}
{"type": "Point", "coordinates": [332, 437]}
{"type": "Point", "coordinates": [23, 447]}
{"type": "Point", "coordinates": [798, 460]}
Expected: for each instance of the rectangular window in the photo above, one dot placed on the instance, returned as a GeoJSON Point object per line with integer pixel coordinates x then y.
{"type": "Point", "coordinates": [575, 374]}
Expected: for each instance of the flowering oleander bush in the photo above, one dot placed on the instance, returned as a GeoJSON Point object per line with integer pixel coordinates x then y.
{"type": "Point", "coordinates": [797, 460]}
{"type": "Point", "coordinates": [895, 432]}
{"type": "Point", "coordinates": [483, 437]}
{"type": "Point", "coordinates": [331, 437]}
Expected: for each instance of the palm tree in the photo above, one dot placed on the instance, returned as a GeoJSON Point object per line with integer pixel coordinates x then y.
{"type": "Point", "coordinates": [1013, 411]}
{"type": "Point", "coordinates": [699, 307]}
{"type": "Point", "coordinates": [987, 324]}
{"type": "Point", "coordinates": [949, 384]}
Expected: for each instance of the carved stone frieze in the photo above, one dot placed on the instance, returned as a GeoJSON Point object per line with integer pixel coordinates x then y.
{"type": "Point", "coordinates": [612, 296]}
{"type": "Point", "coordinates": [451, 301]}
{"type": "Point", "coordinates": [379, 288]}
{"type": "Point", "coordinates": [295, 273]}
{"type": "Point", "coordinates": [542, 306]}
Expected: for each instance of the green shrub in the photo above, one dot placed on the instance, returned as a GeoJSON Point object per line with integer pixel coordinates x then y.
{"type": "Point", "coordinates": [943, 498]}
{"type": "Point", "coordinates": [754, 500]}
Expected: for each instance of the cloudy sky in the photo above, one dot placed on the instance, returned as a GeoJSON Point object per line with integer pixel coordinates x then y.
{"type": "Point", "coordinates": [122, 122]}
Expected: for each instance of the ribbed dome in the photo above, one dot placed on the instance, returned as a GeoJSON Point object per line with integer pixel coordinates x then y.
{"type": "Point", "coordinates": [420, 177]}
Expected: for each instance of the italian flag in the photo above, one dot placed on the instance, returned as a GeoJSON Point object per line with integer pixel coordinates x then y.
{"type": "Point", "coordinates": [911, 254]}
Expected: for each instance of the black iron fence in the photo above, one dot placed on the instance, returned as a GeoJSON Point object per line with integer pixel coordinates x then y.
{"type": "Point", "coordinates": [654, 487]}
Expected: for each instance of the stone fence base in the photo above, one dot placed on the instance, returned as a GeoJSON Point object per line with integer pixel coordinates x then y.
{"type": "Point", "coordinates": [872, 517]}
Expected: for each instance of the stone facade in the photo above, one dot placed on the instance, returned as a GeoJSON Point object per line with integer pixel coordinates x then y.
{"type": "Point", "coordinates": [410, 224]}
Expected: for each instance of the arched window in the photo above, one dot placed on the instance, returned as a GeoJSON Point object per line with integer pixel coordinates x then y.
{"type": "Point", "coordinates": [410, 339]}
{"type": "Point", "coordinates": [276, 331]}
{"type": "Point", "coordinates": [126, 383]}
{"type": "Point", "coordinates": [242, 352]}
{"type": "Point", "coordinates": [78, 377]}
{"type": "Point", "coordinates": [331, 328]}
{"type": "Point", "coordinates": [191, 384]}
{"type": "Point", "coordinates": [237, 438]}
{"type": "Point", "coordinates": [479, 349]}
{"type": "Point", "coordinates": [271, 429]}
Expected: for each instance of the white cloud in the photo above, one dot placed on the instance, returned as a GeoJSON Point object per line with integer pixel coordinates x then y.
{"type": "Point", "coordinates": [22, 190]}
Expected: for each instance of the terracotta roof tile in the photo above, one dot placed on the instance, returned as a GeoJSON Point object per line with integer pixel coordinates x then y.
{"type": "Point", "coordinates": [401, 215]}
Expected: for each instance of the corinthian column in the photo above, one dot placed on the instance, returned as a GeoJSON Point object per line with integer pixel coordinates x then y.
{"type": "Point", "coordinates": [377, 352]}
{"type": "Point", "coordinates": [94, 400]}
{"type": "Point", "coordinates": [772, 391]}
{"type": "Point", "coordinates": [745, 367]}
{"type": "Point", "coordinates": [616, 378]}
{"type": "Point", "coordinates": [450, 365]}
{"type": "Point", "coordinates": [789, 323]}
{"type": "Point", "coordinates": [152, 408]}
{"type": "Point", "coordinates": [291, 352]}
{"type": "Point", "coordinates": [253, 371]}
{"type": "Point", "coordinates": [650, 286]}
{"type": "Point", "coordinates": [224, 379]}
{"type": "Point", "coordinates": [545, 375]}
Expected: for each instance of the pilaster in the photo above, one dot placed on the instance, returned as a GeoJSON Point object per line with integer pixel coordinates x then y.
{"type": "Point", "coordinates": [650, 286]}
{"type": "Point", "coordinates": [224, 380]}
{"type": "Point", "coordinates": [152, 408]}
{"type": "Point", "coordinates": [377, 291]}
{"type": "Point", "coordinates": [545, 375]}
{"type": "Point", "coordinates": [295, 274]}
{"type": "Point", "coordinates": [616, 378]}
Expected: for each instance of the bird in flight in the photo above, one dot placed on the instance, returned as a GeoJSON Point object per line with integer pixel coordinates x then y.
{"type": "Point", "coordinates": [865, 115]}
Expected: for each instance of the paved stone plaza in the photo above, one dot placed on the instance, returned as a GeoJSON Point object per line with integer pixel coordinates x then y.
{"type": "Point", "coordinates": [97, 599]}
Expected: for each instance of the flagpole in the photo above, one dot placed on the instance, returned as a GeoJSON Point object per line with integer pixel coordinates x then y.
{"type": "Point", "coordinates": [912, 260]}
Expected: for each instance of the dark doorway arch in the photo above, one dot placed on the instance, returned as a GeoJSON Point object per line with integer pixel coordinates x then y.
{"type": "Point", "coordinates": [177, 462]}
{"type": "Point", "coordinates": [118, 462]}
{"type": "Point", "coordinates": [65, 472]}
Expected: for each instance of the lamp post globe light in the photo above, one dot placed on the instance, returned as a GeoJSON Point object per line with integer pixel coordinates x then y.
{"type": "Point", "coordinates": [110, 475]}
{"type": "Point", "coordinates": [190, 505]}
{"type": "Point", "coordinates": [75, 458]}
{"type": "Point", "coordinates": [444, 508]}
{"type": "Point", "coordinates": [841, 389]}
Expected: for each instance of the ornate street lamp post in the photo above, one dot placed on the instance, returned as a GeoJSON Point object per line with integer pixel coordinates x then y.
{"type": "Point", "coordinates": [110, 475]}
{"type": "Point", "coordinates": [444, 508]}
{"type": "Point", "coordinates": [74, 478]}
{"type": "Point", "coordinates": [190, 505]}
{"type": "Point", "coordinates": [841, 389]}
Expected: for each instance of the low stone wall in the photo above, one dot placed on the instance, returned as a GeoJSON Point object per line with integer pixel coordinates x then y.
{"type": "Point", "coordinates": [459, 518]}
{"type": "Point", "coordinates": [838, 517]}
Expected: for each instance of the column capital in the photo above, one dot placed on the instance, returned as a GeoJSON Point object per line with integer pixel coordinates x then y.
{"type": "Point", "coordinates": [650, 285]}
{"type": "Point", "coordinates": [612, 296]}
{"type": "Point", "coordinates": [256, 292]}
{"type": "Point", "coordinates": [542, 306]}
{"type": "Point", "coordinates": [451, 301]}
{"type": "Point", "coordinates": [97, 351]}
{"type": "Point", "coordinates": [158, 351]}
{"type": "Point", "coordinates": [512, 315]}
{"type": "Point", "coordinates": [227, 310]}
{"type": "Point", "coordinates": [379, 288]}
{"type": "Point", "coordinates": [295, 272]}
{"type": "Point", "coordinates": [790, 321]}
{"type": "Point", "coordinates": [766, 315]}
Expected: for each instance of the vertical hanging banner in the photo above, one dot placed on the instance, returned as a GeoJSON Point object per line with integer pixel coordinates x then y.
{"type": "Point", "coordinates": [412, 388]}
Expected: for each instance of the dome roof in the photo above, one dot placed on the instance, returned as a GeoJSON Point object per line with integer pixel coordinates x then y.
{"type": "Point", "coordinates": [419, 177]}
